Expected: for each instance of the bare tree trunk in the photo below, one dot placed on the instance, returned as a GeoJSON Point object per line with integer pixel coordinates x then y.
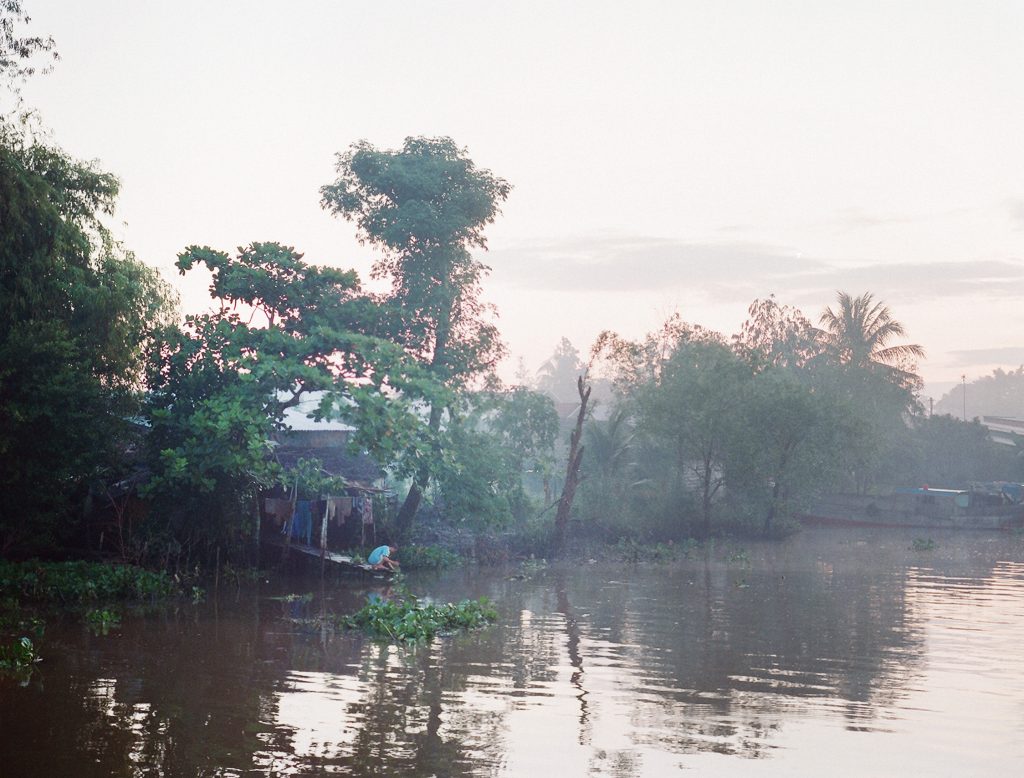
{"type": "Point", "coordinates": [572, 471]}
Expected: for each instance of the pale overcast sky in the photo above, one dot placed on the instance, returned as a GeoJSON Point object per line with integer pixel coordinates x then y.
{"type": "Point", "coordinates": [666, 156]}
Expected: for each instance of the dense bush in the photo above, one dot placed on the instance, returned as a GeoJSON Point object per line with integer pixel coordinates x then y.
{"type": "Point", "coordinates": [76, 583]}
{"type": "Point", "coordinates": [427, 558]}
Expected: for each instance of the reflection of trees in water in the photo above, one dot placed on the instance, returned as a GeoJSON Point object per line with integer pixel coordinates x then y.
{"type": "Point", "coordinates": [166, 693]}
{"type": "Point", "coordinates": [700, 656]}
{"type": "Point", "coordinates": [716, 656]}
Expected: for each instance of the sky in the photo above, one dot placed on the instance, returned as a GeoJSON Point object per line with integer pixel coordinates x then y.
{"type": "Point", "coordinates": [666, 157]}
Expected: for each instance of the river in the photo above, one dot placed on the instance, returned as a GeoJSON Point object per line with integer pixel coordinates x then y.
{"type": "Point", "coordinates": [836, 652]}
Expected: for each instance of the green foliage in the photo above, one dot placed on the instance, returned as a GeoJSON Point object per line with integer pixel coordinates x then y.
{"type": "Point", "coordinates": [777, 336]}
{"type": "Point", "coordinates": [527, 425]}
{"type": "Point", "coordinates": [611, 480]}
{"type": "Point", "coordinates": [425, 206]}
{"type": "Point", "coordinates": [101, 620]}
{"type": "Point", "coordinates": [945, 451]}
{"type": "Point", "coordinates": [478, 481]}
{"type": "Point", "coordinates": [417, 557]}
{"type": "Point", "coordinates": [632, 551]}
{"type": "Point", "coordinates": [12, 619]}
{"type": "Point", "coordinates": [81, 583]}
{"type": "Point", "coordinates": [742, 556]}
{"type": "Point", "coordinates": [18, 656]}
{"type": "Point", "coordinates": [859, 333]}
{"type": "Point", "coordinates": [794, 435]}
{"type": "Point", "coordinates": [311, 480]}
{"type": "Point", "coordinates": [221, 385]}
{"type": "Point", "coordinates": [407, 620]}
{"type": "Point", "coordinates": [77, 313]}
{"type": "Point", "coordinates": [924, 544]}
{"type": "Point", "coordinates": [694, 407]}
{"type": "Point", "coordinates": [711, 437]}
{"type": "Point", "coordinates": [498, 438]}
{"type": "Point", "coordinates": [533, 566]}
{"type": "Point", "coordinates": [18, 53]}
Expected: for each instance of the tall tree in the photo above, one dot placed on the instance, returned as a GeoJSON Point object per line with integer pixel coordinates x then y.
{"type": "Point", "coordinates": [425, 206]}
{"type": "Point", "coordinates": [859, 332]}
{"type": "Point", "coordinates": [557, 376]}
{"type": "Point", "coordinates": [695, 407]}
{"type": "Point", "coordinates": [76, 313]}
{"type": "Point", "coordinates": [777, 336]}
{"type": "Point", "coordinates": [794, 433]}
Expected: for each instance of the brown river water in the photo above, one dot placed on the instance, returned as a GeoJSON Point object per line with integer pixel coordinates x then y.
{"type": "Point", "coordinates": [833, 653]}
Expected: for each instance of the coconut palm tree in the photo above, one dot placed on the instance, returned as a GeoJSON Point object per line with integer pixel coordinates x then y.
{"type": "Point", "coordinates": [860, 331]}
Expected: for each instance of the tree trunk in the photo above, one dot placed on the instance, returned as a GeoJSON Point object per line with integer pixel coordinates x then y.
{"type": "Point", "coordinates": [572, 472]}
{"type": "Point", "coordinates": [411, 504]}
{"type": "Point", "coordinates": [406, 514]}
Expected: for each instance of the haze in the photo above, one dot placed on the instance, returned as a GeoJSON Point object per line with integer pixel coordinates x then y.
{"type": "Point", "coordinates": [666, 156]}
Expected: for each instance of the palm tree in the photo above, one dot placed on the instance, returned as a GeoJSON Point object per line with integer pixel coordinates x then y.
{"type": "Point", "coordinates": [859, 332]}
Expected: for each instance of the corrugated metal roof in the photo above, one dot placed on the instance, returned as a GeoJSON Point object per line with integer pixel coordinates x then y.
{"type": "Point", "coordinates": [298, 416]}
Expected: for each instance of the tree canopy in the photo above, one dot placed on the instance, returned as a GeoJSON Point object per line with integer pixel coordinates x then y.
{"type": "Point", "coordinates": [281, 328]}
{"type": "Point", "coordinates": [77, 313]}
{"type": "Point", "coordinates": [425, 206]}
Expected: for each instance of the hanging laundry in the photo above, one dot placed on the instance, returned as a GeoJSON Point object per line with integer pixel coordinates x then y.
{"type": "Point", "coordinates": [302, 521]}
{"type": "Point", "coordinates": [335, 509]}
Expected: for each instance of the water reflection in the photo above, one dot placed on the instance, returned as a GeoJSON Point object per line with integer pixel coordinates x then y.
{"type": "Point", "coordinates": [728, 661]}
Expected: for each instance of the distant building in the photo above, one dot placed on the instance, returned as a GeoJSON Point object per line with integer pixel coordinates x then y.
{"type": "Point", "coordinates": [1004, 429]}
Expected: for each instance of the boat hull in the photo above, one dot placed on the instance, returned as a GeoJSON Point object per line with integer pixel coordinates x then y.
{"type": "Point", "coordinates": [896, 511]}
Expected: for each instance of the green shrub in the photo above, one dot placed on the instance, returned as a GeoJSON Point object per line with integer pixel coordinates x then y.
{"type": "Point", "coordinates": [18, 656]}
{"type": "Point", "coordinates": [427, 558]}
{"type": "Point", "coordinates": [81, 583]}
{"type": "Point", "coordinates": [924, 544]}
{"type": "Point", "coordinates": [102, 619]}
{"type": "Point", "coordinates": [632, 551]}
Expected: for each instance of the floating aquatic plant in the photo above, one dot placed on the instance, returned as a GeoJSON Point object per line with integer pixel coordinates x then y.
{"type": "Point", "coordinates": [407, 620]}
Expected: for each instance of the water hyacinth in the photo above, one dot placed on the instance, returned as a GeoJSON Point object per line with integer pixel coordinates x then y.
{"type": "Point", "coordinates": [407, 620]}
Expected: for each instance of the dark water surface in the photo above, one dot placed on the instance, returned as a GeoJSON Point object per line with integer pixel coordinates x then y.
{"type": "Point", "coordinates": [834, 653]}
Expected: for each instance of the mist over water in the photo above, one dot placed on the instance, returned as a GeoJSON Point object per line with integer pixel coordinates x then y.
{"type": "Point", "coordinates": [840, 651]}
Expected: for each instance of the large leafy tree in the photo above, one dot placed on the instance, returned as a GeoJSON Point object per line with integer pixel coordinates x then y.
{"type": "Point", "coordinates": [76, 315]}
{"type": "Point", "coordinates": [425, 207]}
{"type": "Point", "coordinates": [222, 383]}
{"type": "Point", "coordinates": [794, 431]}
{"type": "Point", "coordinates": [694, 408]}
